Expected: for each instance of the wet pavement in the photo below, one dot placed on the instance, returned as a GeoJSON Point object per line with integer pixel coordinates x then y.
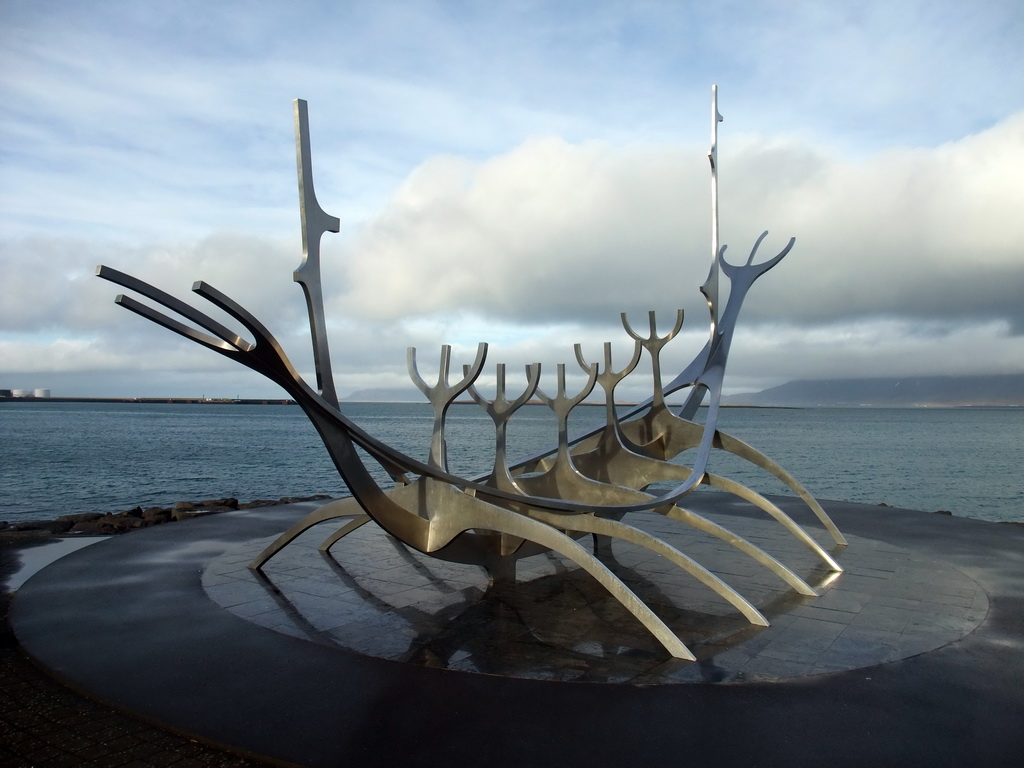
{"type": "Point", "coordinates": [374, 596]}
{"type": "Point", "coordinates": [375, 656]}
{"type": "Point", "coordinates": [44, 723]}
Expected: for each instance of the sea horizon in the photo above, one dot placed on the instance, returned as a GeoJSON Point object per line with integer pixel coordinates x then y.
{"type": "Point", "coordinates": [74, 457]}
{"type": "Point", "coordinates": [203, 400]}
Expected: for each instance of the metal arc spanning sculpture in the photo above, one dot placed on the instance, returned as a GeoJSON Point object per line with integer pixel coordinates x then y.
{"type": "Point", "coordinates": [585, 485]}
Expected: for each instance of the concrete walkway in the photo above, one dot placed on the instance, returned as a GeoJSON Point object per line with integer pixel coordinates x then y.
{"type": "Point", "coordinates": [911, 657]}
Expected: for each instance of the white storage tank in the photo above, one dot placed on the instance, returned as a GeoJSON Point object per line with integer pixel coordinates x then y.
{"type": "Point", "coordinates": [41, 393]}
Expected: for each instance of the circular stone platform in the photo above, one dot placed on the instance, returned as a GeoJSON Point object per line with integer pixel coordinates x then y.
{"type": "Point", "coordinates": [371, 595]}
{"type": "Point", "coordinates": [373, 656]}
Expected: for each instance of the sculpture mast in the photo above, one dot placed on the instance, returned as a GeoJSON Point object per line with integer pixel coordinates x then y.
{"type": "Point", "coordinates": [315, 221]}
{"type": "Point", "coordinates": [711, 285]}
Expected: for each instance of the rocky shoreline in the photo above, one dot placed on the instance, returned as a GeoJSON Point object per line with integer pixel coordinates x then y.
{"type": "Point", "coordinates": [113, 523]}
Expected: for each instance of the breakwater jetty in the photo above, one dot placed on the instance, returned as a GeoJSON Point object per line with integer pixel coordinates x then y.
{"type": "Point", "coordinates": [149, 400]}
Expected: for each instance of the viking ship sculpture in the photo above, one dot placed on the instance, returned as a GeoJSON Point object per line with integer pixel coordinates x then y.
{"type": "Point", "coordinates": [589, 484]}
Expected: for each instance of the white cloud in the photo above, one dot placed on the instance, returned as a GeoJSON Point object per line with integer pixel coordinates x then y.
{"type": "Point", "coordinates": [547, 231]}
{"type": "Point", "coordinates": [554, 230]}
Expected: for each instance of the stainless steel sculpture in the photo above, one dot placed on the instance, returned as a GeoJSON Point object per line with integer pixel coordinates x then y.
{"type": "Point", "coordinates": [586, 485]}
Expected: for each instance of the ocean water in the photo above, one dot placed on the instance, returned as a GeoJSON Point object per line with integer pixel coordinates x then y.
{"type": "Point", "coordinates": [62, 458]}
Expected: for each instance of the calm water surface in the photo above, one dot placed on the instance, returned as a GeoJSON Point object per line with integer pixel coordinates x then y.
{"type": "Point", "coordinates": [62, 458]}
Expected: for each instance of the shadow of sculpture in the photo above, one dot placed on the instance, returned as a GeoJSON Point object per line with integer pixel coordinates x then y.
{"type": "Point", "coordinates": [554, 623]}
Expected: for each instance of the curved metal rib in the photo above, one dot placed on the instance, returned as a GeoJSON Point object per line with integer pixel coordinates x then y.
{"type": "Point", "coordinates": [564, 480]}
{"type": "Point", "coordinates": [618, 530]}
{"type": "Point", "coordinates": [619, 466]}
{"type": "Point", "coordinates": [602, 495]}
{"type": "Point", "coordinates": [345, 530]}
{"type": "Point", "coordinates": [679, 435]}
{"type": "Point", "coordinates": [226, 340]}
{"type": "Point", "coordinates": [737, 447]}
{"type": "Point", "coordinates": [503, 521]}
{"type": "Point", "coordinates": [347, 507]}
{"type": "Point", "coordinates": [790, 525]}
{"type": "Point", "coordinates": [701, 523]}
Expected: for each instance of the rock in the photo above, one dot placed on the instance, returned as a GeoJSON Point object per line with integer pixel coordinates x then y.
{"type": "Point", "coordinates": [89, 527]}
{"type": "Point", "coordinates": [217, 510]}
{"type": "Point", "coordinates": [109, 524]}
{"type": "Point", "coordinates": [156, 514]}
{"type": "Point", "coordinates": [943, 512]}
{"type": "Point", "coordinates": [96, 524]}
{"type": "Point", "coordinates": [259, 503]}
{"type": "Point", "coordinates": [228, 503]}
{"type": "Point", "coordinates": [80, 517]}
{"type": "Point", "coordinates": [295, 499]}
{"type": "Point", "coordinates": [49, 526]}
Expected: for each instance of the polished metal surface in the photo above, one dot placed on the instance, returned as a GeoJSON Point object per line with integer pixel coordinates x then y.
{"type": "Point", "coordinates": [710, 287]}
{"type": "Point", "coordinates": [583, 485]}
{"type": "Point", "coordinates": [443, 394]}
{"type": "Point", "coordinates": [315, 222]}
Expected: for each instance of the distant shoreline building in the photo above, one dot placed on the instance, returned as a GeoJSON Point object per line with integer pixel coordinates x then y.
{"type": "Point", "coordinates": [34, 393]}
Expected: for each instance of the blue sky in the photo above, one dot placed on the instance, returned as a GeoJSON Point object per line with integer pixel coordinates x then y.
{"type": "Point", "coordinates": [514, 172]}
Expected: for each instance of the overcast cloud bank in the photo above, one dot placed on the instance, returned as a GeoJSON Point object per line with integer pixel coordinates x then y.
{"type": "Point", "coordinates": [519, 176]}
{"type": "Point", "coordinates": [906, 261]}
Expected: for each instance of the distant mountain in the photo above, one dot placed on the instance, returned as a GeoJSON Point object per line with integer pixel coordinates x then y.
{"type": "Point", "coordinates": [386, 395]}
{"type": "Point", "coordinates": [905, 391]}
